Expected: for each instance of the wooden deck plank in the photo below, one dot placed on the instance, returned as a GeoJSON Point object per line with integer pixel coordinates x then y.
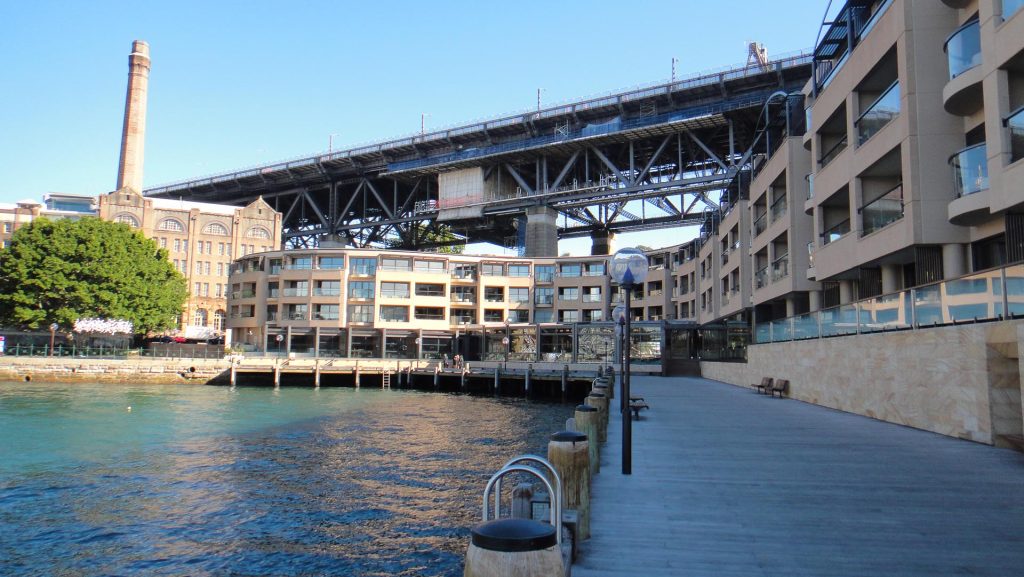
{"type": "Point", "coordinates": [729, 482]}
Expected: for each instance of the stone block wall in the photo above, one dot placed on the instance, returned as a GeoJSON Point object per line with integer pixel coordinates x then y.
{"type": "Point", "coordinates": [64, 369]}
{"type": "Point", "coordinates": [962, 381]}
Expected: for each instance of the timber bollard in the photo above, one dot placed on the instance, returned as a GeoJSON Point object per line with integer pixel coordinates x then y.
{"type": "Point", "coordinates": [565, 381]}
{"type": "Point", "coordinates": [522, 495]}
{"type": "Point", "coordinates": [529, 376]}
{"type": "Point", "coordinates": [607, 384]}
{"type": "Point", "coordinates": [513, 547]}
{"type": "Point", "coordinates": [437, 377]}
{"type": "Point", "coordinates": [462, 382]}
{"type": "Point", "coordinates": [569, 452]}
{"type": "Point", "coordinates": [586, 423]}
{"type": "Point", "coordinates": [600, 402]}
{"type": "Point", "coordinates": [497, 381]}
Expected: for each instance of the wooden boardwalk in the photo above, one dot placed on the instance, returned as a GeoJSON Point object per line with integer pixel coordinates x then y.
{"type": "Point", "coordinates": [730, 483]}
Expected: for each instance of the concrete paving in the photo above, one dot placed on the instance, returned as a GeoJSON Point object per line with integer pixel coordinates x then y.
{"type": "Point", "coordinates": [728, 482]}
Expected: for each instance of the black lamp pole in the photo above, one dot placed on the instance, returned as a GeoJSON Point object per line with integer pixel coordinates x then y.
{"type": "Point", "coordinates": [627, 422]}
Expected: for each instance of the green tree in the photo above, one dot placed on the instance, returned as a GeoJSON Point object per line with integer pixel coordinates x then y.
{"type": "Point", "coordinates": [439, 237]}
{"type": "Point", "coordinates": [57, 271]}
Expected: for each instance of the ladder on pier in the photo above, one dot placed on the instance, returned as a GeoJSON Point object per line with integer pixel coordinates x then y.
{"type": "Point", "coordinates": [385, 379]}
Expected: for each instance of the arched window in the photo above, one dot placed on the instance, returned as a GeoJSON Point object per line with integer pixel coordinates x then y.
{"type": "Point", "coordinates": [215, 228]}
{"type": "Point", "coordinates": [257, 232]}
{"type": "Point", "coordinates": [218, 320]}
{"type": "Point", "coordinates": [128, 219]}
{"type": "Point", "coordinates": [171, 225]}
{"type": "Point", "coordinates": [200, 318]}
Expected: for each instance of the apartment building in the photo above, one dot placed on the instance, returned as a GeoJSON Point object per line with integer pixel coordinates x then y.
{"type": "Point", "coordinates": [397, 304]}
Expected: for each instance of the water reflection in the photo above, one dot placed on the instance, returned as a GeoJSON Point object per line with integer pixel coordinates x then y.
{"type": "Point", "coordinates": [208, 481]}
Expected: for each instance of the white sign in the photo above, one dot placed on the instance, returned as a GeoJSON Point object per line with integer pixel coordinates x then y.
{"type": "Point", "coordinates": [3, 341]}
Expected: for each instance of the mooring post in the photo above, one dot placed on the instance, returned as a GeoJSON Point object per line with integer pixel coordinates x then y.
{"type": "Point", "coordinates": [234, 376]}
{"type": "Point", "coordinates": [497, 381]}
{"type": "Point", "coordinates": [277, 376]}
{"type": "Point", "coordinates": [437, 377]}
{"type": "Point", "coordinates": [565, 381]}
{"type": "Point", "coordinates": [316, 374]}
{"type": "Point", "coordinates": [600, 402]}
{"type": "Point", "coordinates": [569, 452]}
{"type": "Point", "coordinates": [462, 381]}
{"type": "Point", "coordinates": [586, 423]}
{"type": "Point", "coordinates": [357, 374]}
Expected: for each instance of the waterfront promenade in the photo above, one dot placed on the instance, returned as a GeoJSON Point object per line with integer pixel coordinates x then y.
{"type": "Point", "coordinates": [727, 482]}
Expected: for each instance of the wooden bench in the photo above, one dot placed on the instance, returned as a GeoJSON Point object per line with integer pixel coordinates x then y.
{"type": "Point", "coordinates": [636, 407]}
{"type": "Point", "coordinates": [781, 387]}
{"type": "Point", "coordinates": [766, 384]}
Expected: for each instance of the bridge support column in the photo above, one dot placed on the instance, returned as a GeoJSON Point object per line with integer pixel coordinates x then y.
{"type": "Point", "coordinates": [541, 231]}
{"type": "Point", "coordinates": [601, 242]}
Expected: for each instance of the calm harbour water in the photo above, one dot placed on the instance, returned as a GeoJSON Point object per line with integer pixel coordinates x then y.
{"type": "Point", "coordinates": [197, 480]}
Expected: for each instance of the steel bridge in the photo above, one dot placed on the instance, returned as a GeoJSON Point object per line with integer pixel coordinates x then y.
{"type": "Point", "coordinates": [654, 157]}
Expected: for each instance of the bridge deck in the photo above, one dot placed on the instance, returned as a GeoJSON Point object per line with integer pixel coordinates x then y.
{"type": "Point", "coordinates": [728, 482]}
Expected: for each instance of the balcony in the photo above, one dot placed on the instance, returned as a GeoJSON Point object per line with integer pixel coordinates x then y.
{"type": "Point", "coordinates": [970, 170]}
{"type": "Point", "coordinates": [885, 108]}
{"type": "Point", "coordinates": [591, 298]}
{"type": "Point", "coordinates": [544, 299]}
{"type": "Point", "coordinates": [760, 224]}
{"type": "Point", "coordinates": [273, 293]}
{"type": "Point", "coordinates": [963, 49]}
{"type": "Point", "coordinates": [243, 294]}
{"type": "Point", "coordinates": [832, 152]}
{"type": "Point", "coordinates": [326, 316]}
{"type": "Point", "coordinates": [761, 277]}
{"type": "Point", "coordinates": [883, 211]}
{"type": "Point", "coordinates": [778, 208]}
{"type": "Point", "coordinates": [463, 298]}
{"type": "Point", "coordinates": [327, 292]}
{"type": "Point", "coordinates": [296, 292]}
{"type": "Point", "coordinates": [835, 232]}
{"type": "Point", "coordinates": [1015, 124]}
{"type": "Point", "coordinates": [780, 268]}
{"type": "Point", "coordinates": [360, 294]}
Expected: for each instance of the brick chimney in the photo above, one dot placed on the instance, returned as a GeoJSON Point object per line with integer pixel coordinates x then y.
{"type": "Point", "coordinates": [133, 137]}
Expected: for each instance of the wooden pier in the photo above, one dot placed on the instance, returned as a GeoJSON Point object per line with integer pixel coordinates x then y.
{"type": "Point", "coordinates": [727, 482]}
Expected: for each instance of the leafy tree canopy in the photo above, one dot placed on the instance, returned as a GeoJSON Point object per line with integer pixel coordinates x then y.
{"type": "Point", "coordinates": [439, 236]}
{"type": "Point", "coordinates": [56, 271]}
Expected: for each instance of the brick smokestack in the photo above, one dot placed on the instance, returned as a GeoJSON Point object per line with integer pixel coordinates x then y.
{"type": "Point", "coordinates": [133, 137]}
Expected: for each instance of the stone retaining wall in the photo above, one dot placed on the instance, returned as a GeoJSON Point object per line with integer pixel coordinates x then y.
{"type": "Point", "coordinates": [64, 370]}
{"type": "Point", "coordinates": [962, 381]}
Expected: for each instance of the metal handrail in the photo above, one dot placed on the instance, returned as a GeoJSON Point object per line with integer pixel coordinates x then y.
{"type": "Point", "coordinates": [555, 515]}
{"type": "Point", "coordinates": [556, 500]}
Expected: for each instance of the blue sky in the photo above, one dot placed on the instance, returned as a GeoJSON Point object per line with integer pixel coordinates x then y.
{"type": "Point", "coordinates": [236, 84]}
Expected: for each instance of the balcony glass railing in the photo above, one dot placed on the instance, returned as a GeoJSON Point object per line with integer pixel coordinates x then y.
{"type": "Point", "coordinates": [296, 292]}
{"type": "Point", "coordinates": [810, 254]}
{"type": "Point", "coordinates": [780, 268]}
{"type": "Point", "coordinates": [327, 292]}
{"type": "Point", "coordinates": [963, 49]}
{"type": "Point", "coordinates": [970, 170]}
{"type": "Point", "coordinates": [883, 211]}
{"type": "Point", "coordinates": [778, 208]}
{"type": "Point", "coordinates": [1015, 124]}
{"type": "Point", "coordinates": [273, 293]}
{"type": "Point", "coordinates": [880, 113]}
{"type": "Point", "coordinates": [810, 185]}
{"type": "Point", "coordinates": [835, 232]}
{"type": "Point", "coordinates": [725, 256]}
{"type": "Point", "coordinates": [988, 295]}
{"type": "Point", "coordinates": [1010, 7]}
{"type": "Point", "coordinates": [760, 224]}
{"type": "Point", "coordinates": [832, 152]}
{"type": "Point", "coordinates": [463, 298]}
{"type": "Point", "coordinates": [591, 298]}
{"type": "Point", "coordinates": [761, 277]}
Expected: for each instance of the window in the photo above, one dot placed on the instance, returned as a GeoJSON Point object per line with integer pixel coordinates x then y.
{"type": "Point", "coordinates": [519, 270]}
{"type": "Point", "coordinates": [360, 289]}
{"type": "Point", "coordinates": [430, 313]}
{"type": "Point", "coordinates": [163, 242]}
{"type": "Point", "coordinates": [257, 232]}
{"type": "Point", "coordinates": [360, 313]}
{"type": "Point", "coordinates": [518, 295]}
{"type": "Point", "coordinates": [326, 312]}
{"type": "Point", "coordinates": [594, 269]}
{"type": "Point", "coordinates": [275, 266]}
{"type": "Point", "coordinates": [209, 247]}
{"type": "Point", "coordinates": [220, 248]}
{"type": "Point", "coordinates": [218, 319]}
{"type": "Point", "coordinates": [200, 317]}
{"type": "Point", "coordinates": [394, 314]}
{"type": "Point", "coordinates": [593, 316]}
{"type": "Point", "coordinates": [494, 316]}
{"type": "Point", "coordinates": [298, 312]}
{"type": "Point", "coordinates": [171, 225]}
{"type": "Point", "coordinates": [216, 229]}
{"type": "Point", "coordinates": [177, 245]}
{"type": "Point", "coordinates": [568, 316]}
{"type": "Point", "coordinates": [543, 316]}
{"type": "Point", "coordinates": [123, 218]}
{"type": "Point", "coordinates": [431, 266]}
{"type": "Point", "coordinates": [492, 269]}
{"type": "Point", "coordinates": [199, 247]}
{"type": "Point", "coordinates": [220, 290]}
{"type": "Point", "coordinates": [592, 294]}
{"type": "Point", "coordinates": [394, 290]}
{"type": "Point", "coordinates": [199, 267]}
{"type": "Point", "coordinates": [463, 316]}
{"type": "Point", "coordinates": [544, 272]}
{"type": "Point", "coordinates": [464, 271]}
{"type": "Point", "coordinates": [327, 288]}
{"type": "Point", "coordinates": [301, 262]}
{"type": "Point", "coordinates": [298, 288]}
{"type": "Point", "coordinates": [519, 316]}
{"type": "Point", "coordinates": [332, 262]}
{"type": "Point", "coordinates": [494, 294]}
{"type": "Point", "coordinates": [569, 270]}
{"type": "Point", "coordinates": [568, 293]}
{"type": "Point", "coordinates": [8, 227]}
{"type": "Point", "coordinates": [271, 312]}
{"type": "Point", "coordinates": [206, 267]}
{"type": "Point", "coordinates": [463, 294]}
{"type": "Point", "coordinates": [429, 290]}
{"type": "Point", "coordinates": [206, 289]}
{"type": "Point", "coordinates": [364, 266]}
{"type": "Point", "coordinates": [220, 269]}
{"type": "Point", "coordinates": [543, 295]}
{"type": "Point", "coordinates": [394, 264]}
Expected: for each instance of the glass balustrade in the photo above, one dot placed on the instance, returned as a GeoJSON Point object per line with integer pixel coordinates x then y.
{"type": "Point", "coordinates": [832, 152]}
{"type": "Point", "coordinates": [760, 224]}
{"type": "Point", "coordinates": [883, 211]}
{"type": "Point", "coordinates": [963, 49]}
{"type": "Point", "coordinates": [780, 268]}
{"type": "Point", "coordinates": [835, 232]}
{"type": "Point", "coordinates": [970, 170]}
{"type": "Point", "coordinates": [761, 277]}
{"type": "Point", "coordinates": [880, 113]}
{"type": "Point", "coordinates": [805, 326]}
{"type": "Point", "coordinates": [1015, 124]}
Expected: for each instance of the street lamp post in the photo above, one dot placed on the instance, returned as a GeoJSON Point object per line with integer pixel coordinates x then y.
{"type": "Point", "coordinates": [619, 318]}
{"type": "Point", "coordinates": [280, 351]}
{"type": "Point", "coordinates": [628, 269]}
{"type": "Point", "coordinates": [53, 333]}
{"type": "Point", "coordinates": [507, 341]}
